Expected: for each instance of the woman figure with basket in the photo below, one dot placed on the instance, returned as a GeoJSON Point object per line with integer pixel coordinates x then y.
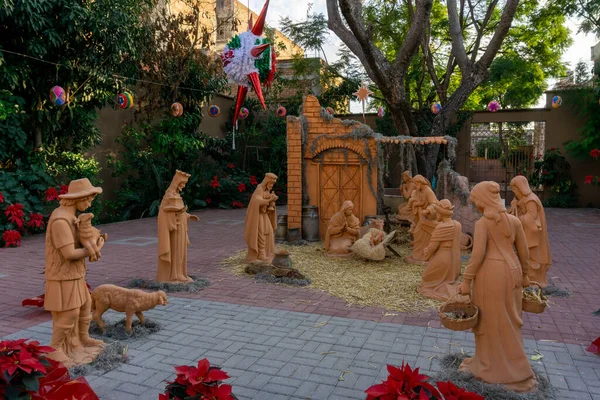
{"type": "Point", "coordinates": [498, 276]}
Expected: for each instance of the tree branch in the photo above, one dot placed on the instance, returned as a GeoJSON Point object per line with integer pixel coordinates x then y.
{"type": "Point", "coordinates": [413, 37]}
{"type": "Point", "coordinates": [356, 39]}
{"type": "Point", "coordinates": [481, 29]}
{"type": "Point", "coordinates": [494, 45]}
{"type": "Point", "coordinates": [458, 45]}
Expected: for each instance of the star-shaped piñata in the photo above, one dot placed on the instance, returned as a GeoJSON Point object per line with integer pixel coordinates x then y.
{"type": "Point", "coordinates": [249, 60]}
{"type": "Point", "coordinates": [363, 92]}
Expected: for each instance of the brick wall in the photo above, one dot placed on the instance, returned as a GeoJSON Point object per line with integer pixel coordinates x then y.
{"type": "Point", "coordinates": [294, 143]}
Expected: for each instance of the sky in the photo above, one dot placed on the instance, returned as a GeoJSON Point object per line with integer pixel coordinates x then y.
{"type": "Point", "coordinates": [297, 9]}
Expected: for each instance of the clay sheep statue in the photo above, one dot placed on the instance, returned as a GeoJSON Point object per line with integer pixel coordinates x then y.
{"type": "Point", "coordinates": [129, 301]}
{"type": "Point", "coordinates": [88, 235]}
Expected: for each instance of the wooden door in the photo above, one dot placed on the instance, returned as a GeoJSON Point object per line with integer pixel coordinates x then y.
{"type": "Point", "coordinates": [337, 184]}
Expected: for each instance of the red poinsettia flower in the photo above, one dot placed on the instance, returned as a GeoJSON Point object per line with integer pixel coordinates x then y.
{"type": "Point", "coordinates": [202, 374]}
{"type": "Point", "coordinates": [34, 348]}
{"type": "Point", "coordinates": [15, 214]}
{"type": "Point", "coordinates": [215, 182]}
{"type": "Point", "coordinates": [1, 198]}
{"type": "Point", "coordinates": [595, 153]}
{"type": "Point", "coordinates": [8, 346]}
{"type": "Point", "coordinates": [403, 383]}
{"type": "Point", "coordinates": [241, 188]}
{"type": "Point", "coordinates": [452, 392]}
{"type": "Point", "coordinates": [11, 238]}
{"type": "Point", "coordinates": [23, 361]}
{"type": "Point", "coordinates": [164, 396]}
{"type": "Point", "coordinates": [544, 172]}
{"type": "Point", "coordinates": [230, 165]}
{"type": "Point", "coordinates": [237, 204]}
{"type": "Point", "coordinates": [589, 179]}
{"type": "Point", "coordinates": [51, 194]}
{"type": "Point", "coordinates": [64, 189]}
{"type": "Point", "coordinates": [218, 392]}
{"type": "Point", "coordinates": [208, 201]}
{"type": "Point", "coordinates": [36, 221]}
{"type": "Point", "coordinates": [253, 180]}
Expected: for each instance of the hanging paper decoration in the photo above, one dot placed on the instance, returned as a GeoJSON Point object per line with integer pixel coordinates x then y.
{"type": "Point", "coordinates": [244, 113]}
{"type": "Point", "coordinates": [363, 93]}
{"type": "Point", "coordinates": [58, 96]}
{"type": "Point", "coordinates": [380, 112]}
{"type": "Point", "coordinates": [436, 108]}
{"type": "Point", "coordinates": [493, 106]}
{"type": "Point", "coordinates": [556, 101]}
{"type": "Point", "coordinates": [281, 111]}
{"type": "Point", "coordinates": [330, 111]}
{"type": "Point", "coordinates": [125, 100]}
{"type": "Point", "coordinates": [214, 111]}
{"type": "Point", "coordinates": [248, 60]}
{"type": "Point", "coordinates": [176, 109]}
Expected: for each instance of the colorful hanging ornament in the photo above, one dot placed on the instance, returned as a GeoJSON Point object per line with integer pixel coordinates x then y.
{"type": "Point", "coordinates": [436, 108]}
{"type": "Point", "coordinates": [380, 112]}
{"type": "Point", "coordinates": [556, 101]}
{"type": "Point", "coordinates": [214, 111]}
{"type": "Point", "coordinates": [493, 106]}
{"type": "Point", "coordinates": [249, 60]}
{"type": "Point", "coordinates": [281, 111]}
{"type": "Point", "coordinates": [176, 109]}
{"type": "Point", "coordinates": [125, 100]}
{"type": "Point", "coordinates": [58, 96]}
{"type": "Point", "coordinates": [244, 113]}
{"type": "Point", "coordinates": [330, 111]}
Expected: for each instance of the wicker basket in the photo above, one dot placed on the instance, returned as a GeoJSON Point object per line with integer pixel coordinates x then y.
{"type": "Point", "coordinates": [533, 306]}
{"type": "Point", "coordinates": [459, 324]}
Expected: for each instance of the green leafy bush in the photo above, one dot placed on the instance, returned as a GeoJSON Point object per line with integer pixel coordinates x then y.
{"type": "Point", "coordinates": [553, 172]}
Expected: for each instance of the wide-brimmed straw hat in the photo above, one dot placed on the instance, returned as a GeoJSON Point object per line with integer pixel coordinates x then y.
{"type": "Point", "coordinates": [80, 188]}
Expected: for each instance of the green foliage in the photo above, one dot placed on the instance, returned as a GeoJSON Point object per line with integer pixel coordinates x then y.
{"type": "Point", "coordinates": [585, 105]}
{"type": "Point", "coordinates": [493, 147]}
{"type": "Point", "coordinates": [552, 170]}
{"type": "Point", "coordinates": [587, 12]}
{"type": "Point", "coordinates": [90, 41]}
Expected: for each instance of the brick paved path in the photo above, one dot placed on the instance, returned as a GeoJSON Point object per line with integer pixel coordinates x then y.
{"type": "Point", "coordinates": [276, 354]}
{"type": "Point", "coordinates": [131, 251]}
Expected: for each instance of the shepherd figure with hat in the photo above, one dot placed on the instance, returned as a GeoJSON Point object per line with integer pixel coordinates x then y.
{"type": "Point", "coordinates": [67, 296]}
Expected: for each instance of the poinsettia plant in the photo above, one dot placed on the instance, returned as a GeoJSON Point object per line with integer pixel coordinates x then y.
{"type": "Point", "coordinates": [404, 383]}
{"type": "Point", "coordinates": [591, 179]}
{"type": "Point", "coordinates": [198, 383]}
{"type": "Point", "coordinates": [26, 373]}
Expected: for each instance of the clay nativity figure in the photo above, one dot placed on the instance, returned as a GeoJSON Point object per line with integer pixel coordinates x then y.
{"type": "Point", "coordinates": [173, 239]}
{"type": "Point", "coordinates": [67, 296]}
{"type": "Point", "coordinates": [261, 221]}
{"type": "Point", "coordinates": [342, 231]}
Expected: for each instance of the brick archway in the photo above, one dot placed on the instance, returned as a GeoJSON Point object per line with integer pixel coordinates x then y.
{"type": "Point", "coordinates": [330, 165]}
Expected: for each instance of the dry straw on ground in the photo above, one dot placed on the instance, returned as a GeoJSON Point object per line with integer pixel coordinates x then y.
{"type": "Point", "coordinates": [391, 283]}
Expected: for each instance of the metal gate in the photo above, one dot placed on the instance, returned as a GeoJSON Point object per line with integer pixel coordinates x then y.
{"type": "Point", "coordinates": [501, 151]}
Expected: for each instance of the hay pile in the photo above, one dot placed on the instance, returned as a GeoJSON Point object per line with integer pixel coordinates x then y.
{"type": "Point", "coordinates": [391, 283]}
{"type": "Point", "coordinates": [115, 331]}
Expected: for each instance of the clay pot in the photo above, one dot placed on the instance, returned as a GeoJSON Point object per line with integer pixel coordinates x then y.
{"type": "Point", "coordinates": [282, 259]}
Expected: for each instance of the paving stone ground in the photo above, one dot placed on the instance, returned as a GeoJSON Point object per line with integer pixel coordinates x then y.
{"type": "Point", "coordinates": [265, 336]}
{"type": "Point", "coordinates": [278, 354]}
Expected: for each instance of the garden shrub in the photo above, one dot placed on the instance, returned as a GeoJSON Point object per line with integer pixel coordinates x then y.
{"type": "Point", "coordinates": [552, 170]}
